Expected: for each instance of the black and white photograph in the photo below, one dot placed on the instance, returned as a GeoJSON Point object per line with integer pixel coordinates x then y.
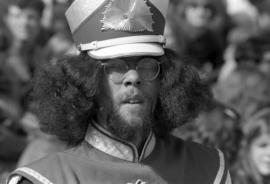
{"type": "Point", "coordinates": [134, 91]}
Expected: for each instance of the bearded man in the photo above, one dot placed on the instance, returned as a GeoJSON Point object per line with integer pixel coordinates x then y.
{"type": "Point", "coordinates": [117, 102]}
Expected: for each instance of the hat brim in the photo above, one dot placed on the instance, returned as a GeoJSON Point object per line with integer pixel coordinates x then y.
{"type": "Point", "coordinates": [127, 50]}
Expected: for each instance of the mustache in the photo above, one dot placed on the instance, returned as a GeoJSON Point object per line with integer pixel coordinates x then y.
{"type": "Point", "coordinates": [132, 96]}
{"type": "Point", "coordinates": [135, 97]}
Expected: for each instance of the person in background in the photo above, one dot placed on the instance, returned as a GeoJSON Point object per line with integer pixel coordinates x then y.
{"type": "Point", "coordinates": [252, 51]}
{"type": "Point", "coordinates": [263, 18]}
{"type": "Point", "coordinates": [218, 126]}
{"type": "Point", "coordinates": [13, 138]}
{"type": "Point", "coordinates": [117, 102]}
{"type": "Point", "coordinates": [253, 165]}
{"type": "Point", "coordinates": [22, 52]}
{"type": "Point", "coordinates": [255, 51]}
{"type": "Point", "coordinates": [258, 43]}
{"type": "Point", "coordinates": [250, 41]}
{"type": "Point", "coordinates": [61, 42]}
{"type": "Point", "coordinates": [21, 45]}
{"type": "Point", "coordinates": [29, 16]}
{"type": "Point", "coordinates": [198, 29]}
{"type": "Point", "coordinates": [21, 32]}
{"type": "Point", "coordinates": [19, 49]}
{"type": "Point", "coordinates": [245, 89]}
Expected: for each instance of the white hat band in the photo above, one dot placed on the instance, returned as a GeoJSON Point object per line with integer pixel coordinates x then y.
{"type": "Point", "coordinates": [124, 40]}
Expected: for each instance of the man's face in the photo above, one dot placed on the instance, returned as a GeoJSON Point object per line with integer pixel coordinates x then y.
{"type": "Point", "coordinates": [260, 154]}
{"type": "Point", "coordinates": [126, 97]}
{"type": "Point", "coordinates": [24, 24]}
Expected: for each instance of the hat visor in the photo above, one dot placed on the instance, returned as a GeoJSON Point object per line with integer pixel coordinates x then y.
{"type": "Point", "coordinates": [127, 50]}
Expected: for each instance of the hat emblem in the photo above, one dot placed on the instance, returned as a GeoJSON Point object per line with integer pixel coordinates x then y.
{"type": "Point", "coordinates": [127, 15]}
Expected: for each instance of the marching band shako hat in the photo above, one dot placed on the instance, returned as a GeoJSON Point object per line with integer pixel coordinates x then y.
{"type": "Point", "coordinates": [118, 28]}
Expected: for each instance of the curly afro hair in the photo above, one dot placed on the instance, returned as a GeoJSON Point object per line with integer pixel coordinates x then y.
{"type": "Point", "coordinates": [64, 95]}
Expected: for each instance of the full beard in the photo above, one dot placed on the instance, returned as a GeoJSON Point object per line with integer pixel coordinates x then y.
{"type": "Point", "coordinates": [119, 126]}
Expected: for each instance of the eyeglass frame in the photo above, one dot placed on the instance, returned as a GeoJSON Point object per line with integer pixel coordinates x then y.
{"type": "Point", "coordinates": [103, 64]}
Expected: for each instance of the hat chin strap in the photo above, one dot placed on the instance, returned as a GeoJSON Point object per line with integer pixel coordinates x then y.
{"type": "Point", "coordinates": [121, 41]}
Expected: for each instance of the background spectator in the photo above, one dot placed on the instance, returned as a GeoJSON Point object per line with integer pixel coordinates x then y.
{"type": "Point", "coordinates": [13, 138]}
{"type": "Point", "coordinates": [244, 89]}
{"type": "Point", "coordinates": [249, 39]}
{"type": "Point", "coordinates": [198, 30]}
{"type": "Point", "coordinates": [255, 51]}
{"type": "Point", "coordinates": [22, 42]}
{"type": "Point", "coordinates": [61, 42]}
{"type": "Point", "coordinates": [224, 39]}
{"type": "Point", "coordinates": [219, 127]}
{"type": "Point", "coordinates": [254, 158]}
{"type": "Point", "coordinates": [21, 47]}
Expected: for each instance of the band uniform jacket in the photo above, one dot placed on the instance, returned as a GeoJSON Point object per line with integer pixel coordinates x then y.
{"type": "Point", "coordinates": [104, 159]}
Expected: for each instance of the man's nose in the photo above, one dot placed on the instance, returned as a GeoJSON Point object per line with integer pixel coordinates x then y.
{"type": "Point", "coordinates": [132, 78]}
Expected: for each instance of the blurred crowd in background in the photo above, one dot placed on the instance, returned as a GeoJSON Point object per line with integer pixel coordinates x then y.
{"type": "Point", "coordinates": [228, 41]}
